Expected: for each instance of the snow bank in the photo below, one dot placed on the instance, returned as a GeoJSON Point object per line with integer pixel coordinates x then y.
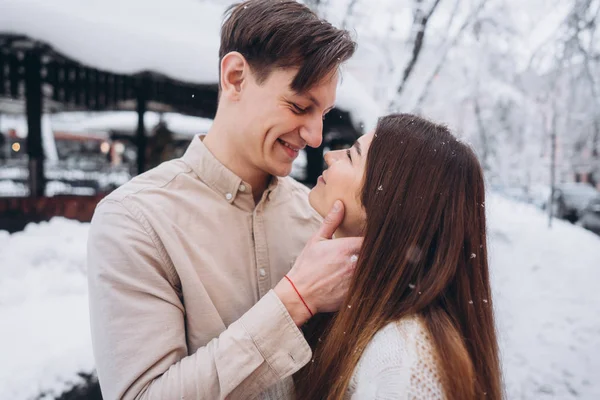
{"type": "Point", "coordinates": [545, 284]}
{"type": "Point", "coordinates": [178, 38]}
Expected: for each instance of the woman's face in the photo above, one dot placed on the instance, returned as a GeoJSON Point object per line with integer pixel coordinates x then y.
{"type": "Point", "coordinates": [343, 180]}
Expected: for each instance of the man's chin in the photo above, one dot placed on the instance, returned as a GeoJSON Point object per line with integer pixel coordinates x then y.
{"type": "Point", "coordinates": [281, 170]}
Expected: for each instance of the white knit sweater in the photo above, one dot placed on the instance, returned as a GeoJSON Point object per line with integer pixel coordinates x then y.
{"type": "Point", "coordinates": [399, 363]}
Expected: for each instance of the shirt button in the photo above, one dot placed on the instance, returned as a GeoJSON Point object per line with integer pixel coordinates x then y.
{"type": "Point", "coordinates": [262, 272]}
{"type": "Point", "coordinates": [229, 196]}
{"type": "Point", "coordinates": [242, 188]}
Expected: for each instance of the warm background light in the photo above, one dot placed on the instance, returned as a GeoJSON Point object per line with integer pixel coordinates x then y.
{"type": "Point", "coordinates": [105, 147]}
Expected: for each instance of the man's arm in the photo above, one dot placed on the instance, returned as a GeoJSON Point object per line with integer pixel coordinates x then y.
{"type": "Point", "coordinates": [138, 331]}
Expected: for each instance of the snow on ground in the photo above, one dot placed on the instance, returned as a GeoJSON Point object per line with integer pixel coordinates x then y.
{"type": "Point", "coordinates": [547, 301]}
{"type": "Point", "coordinates": [44, 338]}
{"type": "Point", "coordinates": [544, 280]}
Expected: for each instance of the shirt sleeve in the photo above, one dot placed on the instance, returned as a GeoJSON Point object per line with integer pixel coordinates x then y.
{"type": "Point", "coordinates": [137, 320]}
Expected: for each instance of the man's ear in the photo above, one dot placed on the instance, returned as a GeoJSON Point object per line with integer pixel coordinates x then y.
{"type": "Point", "coordinates": [234, 73]}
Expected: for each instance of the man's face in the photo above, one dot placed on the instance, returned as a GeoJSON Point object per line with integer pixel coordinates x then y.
{"type": "Point", "coordinates": [277, 122]}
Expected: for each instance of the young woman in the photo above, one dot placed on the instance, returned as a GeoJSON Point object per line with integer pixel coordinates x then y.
{"type": "Point", "coordinates": [418, 321]}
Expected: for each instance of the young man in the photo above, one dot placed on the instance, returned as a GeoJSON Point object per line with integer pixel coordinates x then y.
{"type": "Point", "coordinates": [182, 260]}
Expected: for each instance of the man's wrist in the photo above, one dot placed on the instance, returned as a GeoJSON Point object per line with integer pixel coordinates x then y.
{"type": "Point", "coordinates": [292, 302]}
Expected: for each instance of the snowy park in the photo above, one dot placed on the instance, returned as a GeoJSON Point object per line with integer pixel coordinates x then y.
{"type": "Point", "coordinates": [544, 282]}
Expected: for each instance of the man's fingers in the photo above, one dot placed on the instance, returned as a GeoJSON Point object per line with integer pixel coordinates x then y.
{"type": "Point", "coordinates": [351, 245]}
{"type": "Point", "coordinates": [332, 221]}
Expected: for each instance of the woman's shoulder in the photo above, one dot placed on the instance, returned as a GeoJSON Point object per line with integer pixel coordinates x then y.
{"type": "Point", "coordinates": [401, 338]}
{"type": "Point", "coordinates": [400, 358]}
{"type": "Point", "coordinates": [403, 331]}
{"type": "Point", "coordinates": [391, 346]}
{"type": "Point", "coordinates": [412, 330]}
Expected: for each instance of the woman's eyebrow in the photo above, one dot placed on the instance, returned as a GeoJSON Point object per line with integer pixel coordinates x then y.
{"type": "Point", "coordinates": [358, 148]}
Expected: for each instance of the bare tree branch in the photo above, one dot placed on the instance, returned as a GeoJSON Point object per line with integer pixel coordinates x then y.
{"type": "Point", "coordinates": [420, 24]}
{"type": "Point", "coordinates": [313, 4]}
{"type": "Point", "coordinates": [483, 135]}
{"type": "Point", "coordinates": [583, 19]}
{"type": "Point", "coordinates": [349, 13]}
{"type": "Point", "coordinates": [447, 48]}
{"type": "Point", "coordinates": [452, 15]}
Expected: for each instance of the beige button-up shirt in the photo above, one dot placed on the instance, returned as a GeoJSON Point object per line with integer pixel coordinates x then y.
{"type": "Point", "coordinates": [181, 263]}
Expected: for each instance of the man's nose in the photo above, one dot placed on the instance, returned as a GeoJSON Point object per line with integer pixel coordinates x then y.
{"type": "Point", "coordinates": [312, 131]}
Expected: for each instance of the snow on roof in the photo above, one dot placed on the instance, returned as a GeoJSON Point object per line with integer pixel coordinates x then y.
{"type": "Point", "coordinates": [96, 124]}
{"type": "Point", "coordinates": [127, 121]}
{"type": "Point", "coordinates": [178, 38]}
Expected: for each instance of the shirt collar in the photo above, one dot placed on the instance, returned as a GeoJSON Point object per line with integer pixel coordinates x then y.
{"type": "Point", "coordinates": [217, 176]}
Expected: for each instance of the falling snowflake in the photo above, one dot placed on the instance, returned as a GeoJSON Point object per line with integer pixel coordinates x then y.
{"type": "Point", "coordinates": [380, 188]}
{"type": "Point", "coordinates": [470, 301]}
{"type": "Point", "coordinates": [413, 254]}
{"type": "Point", "coordinates": [410, 285]}
{"type": "Point", "coordinates": [473, 255]}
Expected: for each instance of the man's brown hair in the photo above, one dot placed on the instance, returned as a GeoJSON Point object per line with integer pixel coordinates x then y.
{"type": "Point", "coordinates": [284, 34]}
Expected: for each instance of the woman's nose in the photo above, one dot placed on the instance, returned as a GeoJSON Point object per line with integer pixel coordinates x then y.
{"type": "Point", "coordinates": [331, 157]}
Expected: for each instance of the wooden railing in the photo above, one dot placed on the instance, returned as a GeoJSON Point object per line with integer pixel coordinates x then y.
{"type": "Point", "coordinates": [17, 212]}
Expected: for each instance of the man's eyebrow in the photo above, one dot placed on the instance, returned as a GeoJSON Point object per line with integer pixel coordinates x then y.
{"type": "Point", "coordinates": [310, 97]}
{"type": "Point", "coordinates": [315, 101]}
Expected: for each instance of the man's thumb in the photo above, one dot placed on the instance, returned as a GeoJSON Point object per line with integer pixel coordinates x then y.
{"type": "Point", "coordinates": [332, 220]}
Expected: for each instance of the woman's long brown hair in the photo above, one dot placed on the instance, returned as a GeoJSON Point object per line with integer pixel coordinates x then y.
{"type": "Point", "coordinates": [424, 253]}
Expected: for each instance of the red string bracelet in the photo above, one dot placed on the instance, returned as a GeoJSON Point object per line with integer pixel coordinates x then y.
{"type": "Point", "coordinates": [299, 295]}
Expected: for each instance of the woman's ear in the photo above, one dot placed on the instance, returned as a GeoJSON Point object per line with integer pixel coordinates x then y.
{"type": "Point", "coordinates": [234, 71]}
